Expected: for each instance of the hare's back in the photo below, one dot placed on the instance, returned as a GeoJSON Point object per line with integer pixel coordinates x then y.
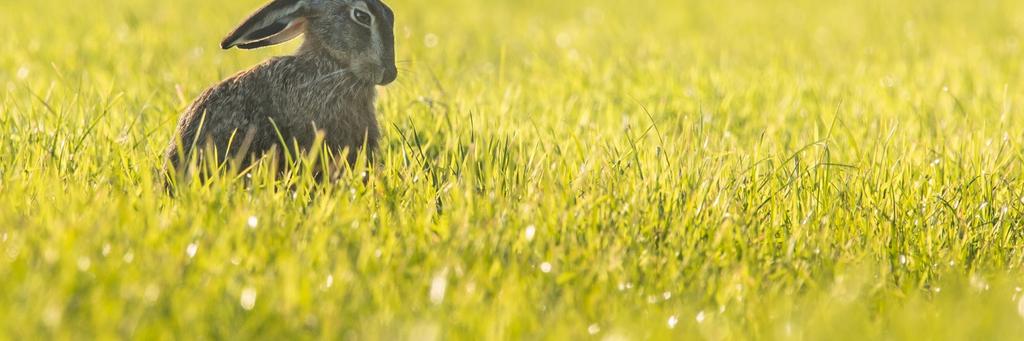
{"type": "Point", "coordinates": [231, 116]}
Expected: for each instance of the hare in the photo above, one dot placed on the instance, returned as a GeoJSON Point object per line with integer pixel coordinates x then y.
{"type": "Point", "coordinates": [326, 91]}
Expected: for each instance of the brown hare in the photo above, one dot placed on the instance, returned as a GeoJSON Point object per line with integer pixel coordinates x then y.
{"type": "Point", "coordinates": [326, 89]}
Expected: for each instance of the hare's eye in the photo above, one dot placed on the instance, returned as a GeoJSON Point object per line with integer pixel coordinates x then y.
{"type": "Point", "coordinates": [362, 17]}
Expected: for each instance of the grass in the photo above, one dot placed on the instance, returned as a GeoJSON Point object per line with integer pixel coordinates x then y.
{"type": "Point", "coordinates": [550, 170]}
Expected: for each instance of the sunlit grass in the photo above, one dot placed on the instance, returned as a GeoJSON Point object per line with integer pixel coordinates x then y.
{"type": "Point", "coordinates": [550, 169]}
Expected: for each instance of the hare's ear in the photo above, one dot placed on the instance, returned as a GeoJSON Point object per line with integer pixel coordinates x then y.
{"type": "Point", "coordinates": [275, 23]}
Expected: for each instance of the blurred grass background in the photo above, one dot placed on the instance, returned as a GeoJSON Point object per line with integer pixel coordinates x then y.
{"type": "Point", "coordinates": [605, 169]}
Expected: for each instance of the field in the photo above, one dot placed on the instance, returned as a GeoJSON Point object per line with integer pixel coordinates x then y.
{"type": "Point", "coordinates": [651, 169]}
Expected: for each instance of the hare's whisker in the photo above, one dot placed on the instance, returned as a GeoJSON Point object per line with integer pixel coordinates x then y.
{"type": "Point", "coordinates": [324, 77]}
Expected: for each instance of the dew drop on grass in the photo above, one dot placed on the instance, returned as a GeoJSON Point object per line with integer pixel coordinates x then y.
{"type": "Point", "coordinates": [253, 222]}
{"type": "Point", "coordinates": [979, 283]}
{"type": "Point", "coordinates": [128, 257]}
{"type": "Point", "coordinates": [330, 281]}
{"type": "Point", "coordinates": [530, 232]}
{"type": "Point", "coordinates": [574, 54]}
{"type": "Point", "coordinates": [564, 40]}
{"type": "Point", "coordinates": [23, 72]}
{"type": "Point", "coordinates": [248, 298]}
{"type": "Point", "coordinates": [84, 263]}
{"type": "Point", "coordinates": [438, 286]}
{"type": "Point", "coordinates": [12, 252]}
{"type": "Point", "coordinates": [50, 255]}
{"type": "Point", "coordinates": [889, 82]}
{"type": "Point", "coordinates": [106, 250]}
{"type": "Point", "coordinates": [151, 294]}
{"type": "Point", "coordinates": [700, 317]}
{"type": "Point", "coordinates": [196, 52]}
{"type": "Point", "coordinates": [545, 267]}
{"type": "Point", "coordinates": [430, 40]}
{"type": "Point", "coordinates": [1020, 307]}
{"type": "Point", "coordinates": [52, 315]}
{"type": "Point", "coordinates": [593, 329]}
{"type": "Point", "coordinates": [667, 295]}
{"type": "Point", "coordinates": [191, 250]}
{"type": "Point", "coordinates": [672, 322]}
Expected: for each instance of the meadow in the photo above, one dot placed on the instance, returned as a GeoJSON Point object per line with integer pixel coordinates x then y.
{"type": "Point", "coordinates": [650, 169]}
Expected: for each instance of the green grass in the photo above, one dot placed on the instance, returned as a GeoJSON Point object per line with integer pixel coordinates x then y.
{"type": "Point", "coordinates": [776, 169]}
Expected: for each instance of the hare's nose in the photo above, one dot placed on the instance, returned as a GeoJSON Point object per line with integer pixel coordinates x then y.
{"type": "Point", "coordinates": [390, 74]}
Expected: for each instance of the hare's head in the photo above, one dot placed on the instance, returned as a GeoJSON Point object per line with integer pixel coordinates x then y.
{"type": "Point", "coordinates": [357, 33]}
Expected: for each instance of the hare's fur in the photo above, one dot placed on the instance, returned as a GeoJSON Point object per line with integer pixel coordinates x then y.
{"type": "Point", "coordinates": [286, 99]}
